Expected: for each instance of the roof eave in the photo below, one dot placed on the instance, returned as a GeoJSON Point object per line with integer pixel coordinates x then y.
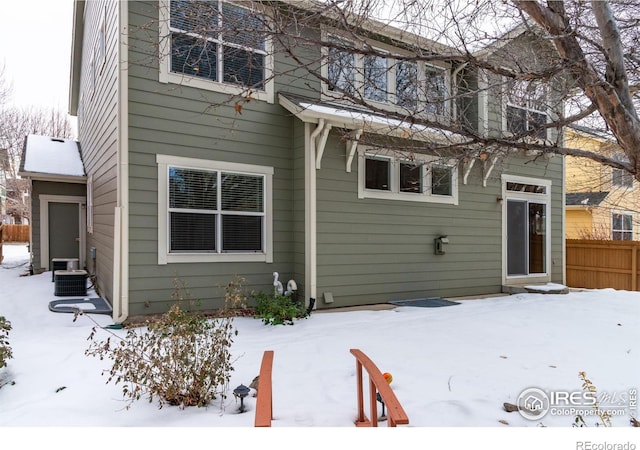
{"type": "Point", "coordinates": [59, 178]}
{"type": "Point", "coordinates": [77, 37]}
{"type": "Point", "coordinates": [338, 121]}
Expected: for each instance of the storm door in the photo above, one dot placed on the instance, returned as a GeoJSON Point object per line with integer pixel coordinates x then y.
{"type": "Point", "coordinates": [526, 237]}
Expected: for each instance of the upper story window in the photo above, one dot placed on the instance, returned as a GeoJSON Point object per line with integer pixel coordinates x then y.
{"type": "Point", "coordinates": [422, 179]}
{"type": "Point", "coordinates": [622, 227]}
{"type": "Point", "coordinates": [621, 178]}
{"type": "Point", "coordinates": [341, 69]}
{"type": "Point", "coordinates": [213, 211]}
{"type": "Point", "coordinates": [526, 108]}
{"type": "Point", "coordinates": [215, 45]}
{"type": "Point", "coordinates": [385, 80]}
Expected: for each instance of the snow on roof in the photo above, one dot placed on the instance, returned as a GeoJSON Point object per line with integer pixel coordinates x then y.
{"type": "Point", "coordinates": [348, 116]}
{"type": "Point", "coordinates": [54, 156]}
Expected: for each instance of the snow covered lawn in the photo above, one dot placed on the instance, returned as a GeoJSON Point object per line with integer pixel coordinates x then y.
{"type": "Point", "coordinates": [452, 366]}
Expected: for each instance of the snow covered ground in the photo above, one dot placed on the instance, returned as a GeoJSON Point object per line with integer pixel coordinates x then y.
{"type": "Point", "coordinates": [453, 369]}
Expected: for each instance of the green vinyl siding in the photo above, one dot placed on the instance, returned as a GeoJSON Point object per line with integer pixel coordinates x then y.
{"type": "Point", "coordinates": [176, 120]}
{"type": "Point", "coordinates": [373, 251]}
{"type": "Point", "coordinates": [98, 134]}
{"type": "Point", "coordinates": [368, 250]}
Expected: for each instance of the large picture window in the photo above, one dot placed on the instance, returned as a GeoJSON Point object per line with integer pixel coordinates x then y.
{"type": "Point", "coordinates": [425, 179]}
{"type": "Point", "coordinates": [213, 211]}
{"type": "Point", "coordinates": [214, 42]}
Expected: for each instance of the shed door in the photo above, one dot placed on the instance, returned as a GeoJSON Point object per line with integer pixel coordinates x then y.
{"type": "Point", "coordinates": [64, 230]}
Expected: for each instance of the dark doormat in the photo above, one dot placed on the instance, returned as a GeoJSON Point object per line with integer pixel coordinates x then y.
{"type": "Point", "coordinates": [431, 302]}
{"type": "Point", "coordinates": [93, 305]}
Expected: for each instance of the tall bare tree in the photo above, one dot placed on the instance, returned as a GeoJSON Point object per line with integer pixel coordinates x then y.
{"type": "Point", "coordinates": [5, 87]}
{"type": "Point", "coordinates": [575, 61]}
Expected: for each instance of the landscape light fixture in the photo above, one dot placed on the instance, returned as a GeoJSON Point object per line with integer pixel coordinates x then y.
{"type": "Point", "coordinates": [241, 391]}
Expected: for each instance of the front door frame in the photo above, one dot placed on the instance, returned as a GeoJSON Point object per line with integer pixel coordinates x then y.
{"type": "Point", "coordinates": [543, 198]}
{"type": "Point", "coordinates": [45, 199]}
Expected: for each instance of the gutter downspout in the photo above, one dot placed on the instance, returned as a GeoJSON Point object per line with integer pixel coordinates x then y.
{"type": "Point", "coordinates": [121, 218]}
{"type": "Point", "coordinates": [312, 230]}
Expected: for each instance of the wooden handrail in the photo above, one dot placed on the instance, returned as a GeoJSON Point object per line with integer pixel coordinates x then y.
{"type": "Point", "coordinates": [264, 400]}
{"type": "Point", "coordinates": [377, 383]}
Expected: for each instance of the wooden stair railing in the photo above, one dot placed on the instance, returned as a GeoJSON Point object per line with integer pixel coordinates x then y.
{"type": "Point", "coordinates": [377, 383]}
{"type": "Point", "coordinates": [264, 400]}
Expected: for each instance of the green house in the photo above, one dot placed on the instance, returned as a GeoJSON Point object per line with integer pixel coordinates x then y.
{"type": "Point", "coordinates": [192, 176]}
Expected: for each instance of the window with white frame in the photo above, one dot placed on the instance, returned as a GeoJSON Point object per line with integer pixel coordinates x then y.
{"type": "Point", "coordinates": [216, 42]}
{"type": "Point", "coordinates": [621, 178]}
{"type": "Point", "coordinates": [421, 179]}
{"type": "Point", "coordinates": [341, 69]}
{"type": "Point", "coordinates": [213, 211]}
{"type": "Point", "coordinates": [375, 78]}
{"type": "Point", "coordinates": [406, 92]}
{"type": "Point", "coordinates": [621, 227]}
{"type": "Point", "coordinates": [408, 84]}
{"type": "Point", "coordinates": [526, 108]}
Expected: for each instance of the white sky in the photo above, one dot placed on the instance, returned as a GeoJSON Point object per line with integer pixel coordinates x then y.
{"type": "Point", "coordinates": [35, 48]}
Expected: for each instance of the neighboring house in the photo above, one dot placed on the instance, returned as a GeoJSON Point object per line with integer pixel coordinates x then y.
{"type": "Point", "coordinates": [177, 189]}
{"type": "Point", "coordinates": [601, 202]}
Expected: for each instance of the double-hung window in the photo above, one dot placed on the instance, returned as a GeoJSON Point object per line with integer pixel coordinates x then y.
{"type": "Point", "coordinates": [215, 42]}
{"type": "Point", "coordinates": [213, 211]}
{"type": "Point", "coordinates": [526, 108]}
{"type": "Point", "coordinates": [621, 178]}
{"type": "Point", "coordinates": [422, 179]}
{"type": "Point", "coordinates": [622, 227]}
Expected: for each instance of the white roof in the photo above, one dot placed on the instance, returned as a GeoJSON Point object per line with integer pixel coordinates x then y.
{"type": "Point", "coordinates": [344, 116]}
{"type": "Point", "coordinates": [53, 156]}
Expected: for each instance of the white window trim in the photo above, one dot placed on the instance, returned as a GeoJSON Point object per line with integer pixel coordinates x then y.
{"type": "Point", "coordinates": [167, 76]}
{"type": "Point", "coordinates": [533, 197]}
{"type": "Point", "coordinates": [45, 199]}
{"type": "Point", "coordinates": [164, 257]}
{"type": "Point", "coordinates": [623, 213]}
{"type": "Point", "coordinates": [505, 103]}
{"type": "Point", "coordinates": [394, 179]}
{"type": "Point", "coordinates": [620, 186]}
{"type": "Point", "coordinates": [389, 104]}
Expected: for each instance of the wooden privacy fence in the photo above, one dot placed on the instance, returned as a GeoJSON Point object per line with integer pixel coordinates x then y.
{"type": "Point", "coordinates": [595, 264]}
{"type": "Point", "coordinates": [15, 233]}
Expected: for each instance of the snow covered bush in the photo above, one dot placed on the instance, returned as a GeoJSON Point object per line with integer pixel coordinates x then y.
{"type": "Point", "coordinates": [182, 359]}
{"type": "Point", "coordinates": [5, 348]}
